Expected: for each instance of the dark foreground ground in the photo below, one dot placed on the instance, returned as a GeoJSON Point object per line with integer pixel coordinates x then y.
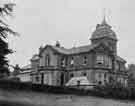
{"type": "Point", "coordinates": [11, 103]}
{"type": "Point", "coordinates": [29, 98]}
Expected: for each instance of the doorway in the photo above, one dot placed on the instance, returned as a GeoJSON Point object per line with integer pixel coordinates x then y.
{"type": "Point", "coordinates": [62, 79]}
{"type": "Point", "coordinates": [42, 78]}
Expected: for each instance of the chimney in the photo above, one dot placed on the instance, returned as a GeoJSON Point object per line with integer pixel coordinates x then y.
{"type": "Point", "coordinates": [57, 44]}
{"type": "Point", "coordinates": [40, 48]}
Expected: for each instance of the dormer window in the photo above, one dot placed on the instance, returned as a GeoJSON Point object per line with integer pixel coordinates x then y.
{"type": "Point", "coordinates": [84, 60]}
{"type": "Point", "coordinates": [100, 59]}
{"type": "Point", "coordinates": [47, 60]}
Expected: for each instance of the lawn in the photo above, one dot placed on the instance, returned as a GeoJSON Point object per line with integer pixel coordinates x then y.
{"type": "Point", "coordinates": [29, 98]}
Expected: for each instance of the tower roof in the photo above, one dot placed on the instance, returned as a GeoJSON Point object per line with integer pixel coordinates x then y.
{"type": "Point", "coordinates": [103, 30]}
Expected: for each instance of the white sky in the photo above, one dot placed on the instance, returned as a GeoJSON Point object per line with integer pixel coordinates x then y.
{"type": "Point", "coordinates": [72, 22]}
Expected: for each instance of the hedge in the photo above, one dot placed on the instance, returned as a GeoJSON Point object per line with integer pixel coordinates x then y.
{"type": "Point", "coordinates": [116, 92]}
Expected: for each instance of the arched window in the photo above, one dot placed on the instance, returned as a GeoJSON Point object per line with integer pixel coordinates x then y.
{"type": "Point", "coordinates": [47, 60]}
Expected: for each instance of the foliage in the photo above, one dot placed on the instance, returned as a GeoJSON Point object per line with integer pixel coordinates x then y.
{"type": "Point", "coordinates": [17, 70]}
{"type": "Point", "coordinates": [5, 10]}
{"type": "Point", "coordinates": [108, 91]}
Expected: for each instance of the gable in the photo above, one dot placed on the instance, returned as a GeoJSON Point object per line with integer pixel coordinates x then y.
{"type": "Point", "coordinates": [46, 49]}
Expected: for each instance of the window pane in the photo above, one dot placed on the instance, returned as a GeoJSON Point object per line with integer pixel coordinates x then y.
{"type": "Point", "coordinates": [72, 61]}
{"type": "Point", "coordinates": [47, 60]}
{"type": "Point", "coordinates": [85, 60]}
{"type": "Point", "coordinates": [100, 59]}
{"type": "Point", "coordinates": [84, 74]}
{"type": "Point", "coordinates": [62, 62]}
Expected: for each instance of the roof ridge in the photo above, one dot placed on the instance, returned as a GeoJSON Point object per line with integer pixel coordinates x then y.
{"type": "Point", "coordinates": [81, 46]}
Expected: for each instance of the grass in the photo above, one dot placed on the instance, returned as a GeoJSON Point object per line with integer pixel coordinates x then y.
{"type": "Point", "coordinates": [30, 98]}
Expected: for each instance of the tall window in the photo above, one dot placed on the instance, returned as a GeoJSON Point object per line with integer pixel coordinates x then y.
{"type": "Point", "coordinates": [37, 78]}
{"type": "Point", "coordinates": [84, 60]}
{"type": "Point", "coordinates": [100, 59]}
{"type": "Point", "coordinates": [72, 61]}
{"type": "Point", "coordinates": [100, 75]}
{"type": "Point", "coordinates": [63, 62]}
{"type": "Point", "coordinates": [108, 61]}
{"type": "Point", "coordinates": [47, 60]}
{"type": "Point", "coordinates": [105, 75]}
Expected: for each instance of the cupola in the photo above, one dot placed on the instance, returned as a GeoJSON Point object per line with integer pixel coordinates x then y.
{"type": "Point", "coordinates": [103, 30]}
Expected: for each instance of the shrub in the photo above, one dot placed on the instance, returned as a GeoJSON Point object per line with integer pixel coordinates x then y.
{"type": "Point", "coordinates": [116, 92]}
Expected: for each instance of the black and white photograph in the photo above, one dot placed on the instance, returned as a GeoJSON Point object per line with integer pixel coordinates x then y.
{"type": "Point", "coordinates": [67, 53]}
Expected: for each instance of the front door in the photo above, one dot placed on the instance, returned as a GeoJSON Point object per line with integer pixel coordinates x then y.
{"type": "Point", "coordinates": [62, 79]}
{"type": "Point", "coordinates": [42, 78]}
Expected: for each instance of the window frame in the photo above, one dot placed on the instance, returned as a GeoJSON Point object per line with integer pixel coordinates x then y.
{"type": "Point", "coordinates": [37, 78]}
{"type": "Point", "coordinates": [84, 60]}
{"type": "Point", "coordinates": [47, 60]}
{"type": "Point", "coordinates": [63, 62]}
{"type": "Point", "coordinates": [100, 59]}
{"type": "Point", "coordinates": [72, 61]}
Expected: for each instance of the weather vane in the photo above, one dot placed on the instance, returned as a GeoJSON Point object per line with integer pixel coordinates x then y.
{"type": "Point", "coordinates": [104, 16]}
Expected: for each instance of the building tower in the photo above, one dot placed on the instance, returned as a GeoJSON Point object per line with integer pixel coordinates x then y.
{"type": "Point", "coordinates": [105, 34]}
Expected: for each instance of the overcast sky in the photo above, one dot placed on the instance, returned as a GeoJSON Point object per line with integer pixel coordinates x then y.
{"type": "Point", "coordinates": [72, 22]}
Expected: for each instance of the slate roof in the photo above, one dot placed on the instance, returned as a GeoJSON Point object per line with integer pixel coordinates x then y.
{"type": "Point", "coordinates": [103, 30]}
{"type": "Point", "coordinates": [26, 69]}
{"type": "Point", "coordinates": [75, 50]}
{"type": "Point", "coordinates": [27, 66]}
{"type": "Point", "coordinates": [35, 57]}
{"type": "Point", "coordinates": [120, 59]}
{"type": "Point", "coordinates": [81, 49]}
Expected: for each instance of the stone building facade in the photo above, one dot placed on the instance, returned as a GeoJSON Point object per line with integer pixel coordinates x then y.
{"type": "Point", "coordinates": [25, 73]}
{"type": "Point", "coordinates": [98, 61]}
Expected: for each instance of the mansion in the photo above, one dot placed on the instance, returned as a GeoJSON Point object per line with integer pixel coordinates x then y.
{"type": "Point", "coordinates": [98, 61]}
